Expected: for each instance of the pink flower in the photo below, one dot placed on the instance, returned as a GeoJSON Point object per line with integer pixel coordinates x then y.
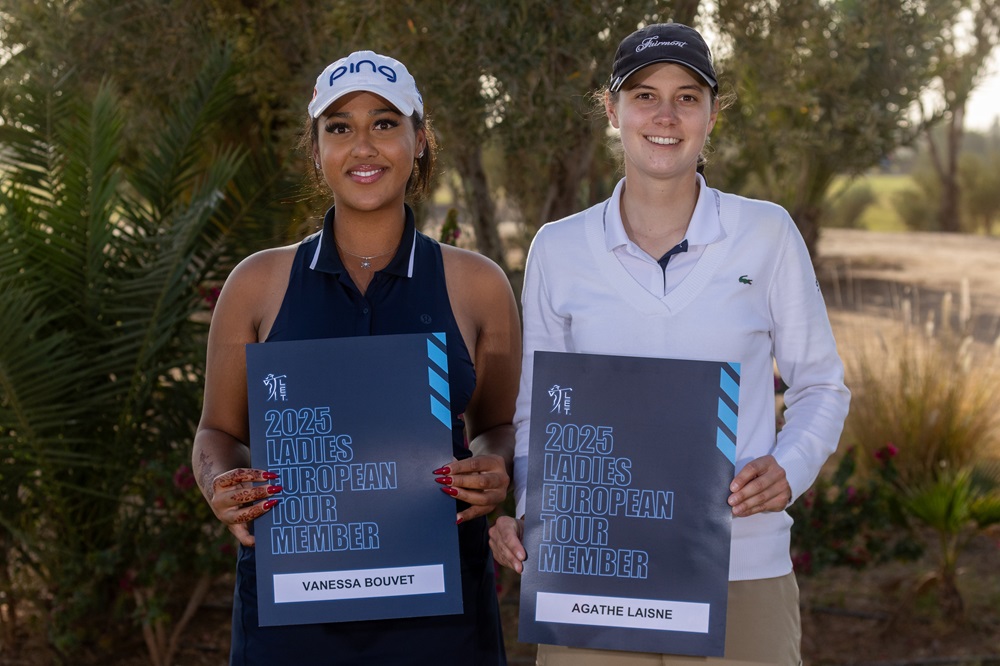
{"type": "Point", "coordinates": [184, 478]}
{"type": "Point", "coordinates": [886, 452]}
{"type": "Point", "coordinates": [210, 295]}
{"type": "Point", "coordinates": [802, 562]}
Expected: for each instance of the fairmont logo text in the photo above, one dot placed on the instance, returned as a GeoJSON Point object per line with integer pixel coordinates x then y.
{"type": "Point", "coordinates": [654, 41]}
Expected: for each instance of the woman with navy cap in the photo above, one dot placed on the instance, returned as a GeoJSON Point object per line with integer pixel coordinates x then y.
{"type": "Point", "coordinates": [368, 271]}
{"type": "Point", "coordinates": [670, 267]}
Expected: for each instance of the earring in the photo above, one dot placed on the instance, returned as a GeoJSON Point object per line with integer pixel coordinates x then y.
{"type": "Point", "coordinates": [317, 165]}
{"type": "Point", "coordinates": [420, 155]}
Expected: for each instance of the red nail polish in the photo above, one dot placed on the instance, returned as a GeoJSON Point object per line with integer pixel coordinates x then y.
{"type": "Point", "coordinates": [449, 490]}
{"type": "Point", "coordinates": [274, 489]}
{"type": "Point", "coordinates": [442, 470]}
{"type": "Point", "coordinates": [445, 480]}
{"type": "Point", "coordinates": [269, 503]}
{"type": "Point", "coordinates": [458, 522]}
{"type": "Point", "coordinates": [269, 476]}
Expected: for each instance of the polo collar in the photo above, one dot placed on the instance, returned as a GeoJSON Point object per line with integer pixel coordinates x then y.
{"type": "Point", "coordinates": [326, 259]}
{"type": "Point", "coordinates": [703, 229]}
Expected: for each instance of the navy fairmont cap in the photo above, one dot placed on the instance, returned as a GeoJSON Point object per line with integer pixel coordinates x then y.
{"type": "Point", "coordinates": [663, 42]}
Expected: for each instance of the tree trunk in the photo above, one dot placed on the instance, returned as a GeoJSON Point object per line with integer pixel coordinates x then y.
{"type": "Point", "coordinates": [685, 11]}
{"type": "Point", "coordinates": [478, 200]}
{"type": "Point", "coordinates": [946, 167]}
{"type": "Point", "coordinates": [563, 197]}
{"type": "Point", "coordinates": [948, 211]}
{"type": "Point", "coordinates": [806, 218]}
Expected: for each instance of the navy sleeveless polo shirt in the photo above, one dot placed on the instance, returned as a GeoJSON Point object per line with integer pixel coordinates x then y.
{"type": "Point", "coordinates": [408, 296]}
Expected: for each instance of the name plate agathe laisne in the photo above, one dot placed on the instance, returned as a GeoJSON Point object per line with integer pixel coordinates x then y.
{"type": "Point", "coordinates": [627, 526]}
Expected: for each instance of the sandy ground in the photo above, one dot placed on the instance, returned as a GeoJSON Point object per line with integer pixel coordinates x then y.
{"type": "Point", "coordinates": [913, 278]}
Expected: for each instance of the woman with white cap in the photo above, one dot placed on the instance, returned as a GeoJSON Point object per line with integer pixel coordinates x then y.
{"type": "Point", "coordinates": [368, 271]}
{"type": "Point", "coordinates": [669, 267]}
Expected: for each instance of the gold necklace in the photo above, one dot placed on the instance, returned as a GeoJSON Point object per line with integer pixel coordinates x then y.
{"type": "Point", "coordinates": [366, 262]}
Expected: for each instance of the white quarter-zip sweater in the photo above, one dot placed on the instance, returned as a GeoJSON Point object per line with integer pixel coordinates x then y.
{"type": "Point", "coordinates": [752, 297]}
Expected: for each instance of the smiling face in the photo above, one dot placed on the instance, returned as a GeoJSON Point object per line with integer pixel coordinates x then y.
{"type": "Point", "coordinates": [366, 150]}
{"type": "Point", "coordinates": [665, 113]}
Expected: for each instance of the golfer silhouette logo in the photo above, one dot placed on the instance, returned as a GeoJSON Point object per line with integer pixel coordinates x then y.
{"type": "Point", "coordinates": [561, 398]}
{"type": "Point", "coordinates": [276, 390]}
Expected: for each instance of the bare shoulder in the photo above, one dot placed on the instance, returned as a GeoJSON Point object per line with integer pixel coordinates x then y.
{"type": "Point", "coordinates": [480, 293]}
{"type": "Point", "coordinates": [470, 265]}
{"type": "Point", "coordinates": [255, 288]}
{"type": "Point", "coordinates": [470, 270]}
{"type": "Point", "coordinates": [264, 265]}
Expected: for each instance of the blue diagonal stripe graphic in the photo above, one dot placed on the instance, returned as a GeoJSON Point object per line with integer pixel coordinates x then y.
{"type": "Point", "coordinates": [727, 415]}
{"type": "Point", "coordinates": [729, 386]}
{"type": "Point", "coordinates": [437, 378]}
{"type": "Point", "coordinates": [440, 412]}
{"type": "Point", "coordinates": [726, 445]}
{"type": "Point", "coordinates": [437, 355]}
{"type": "Point", "coordinates": [438, 383]}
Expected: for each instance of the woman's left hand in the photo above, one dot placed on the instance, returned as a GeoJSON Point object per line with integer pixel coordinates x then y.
{"type": "Point", "coordinates": [760, 486]}
{"type": "Point", "coordinates": [480, 481]}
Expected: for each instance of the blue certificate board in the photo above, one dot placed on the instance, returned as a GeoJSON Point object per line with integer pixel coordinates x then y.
{"type": "Point", "coordinates": [627, 526]}
{"type": "Point", "coordinates": [354, 428]}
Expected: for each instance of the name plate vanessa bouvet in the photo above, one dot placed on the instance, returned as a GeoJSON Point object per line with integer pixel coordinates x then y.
{"type": "Point", "coordinates": [627, 526]}
{"type": "Point", "coordinates": [353, 427]}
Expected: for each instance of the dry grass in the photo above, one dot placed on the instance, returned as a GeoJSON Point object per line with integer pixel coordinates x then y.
{"type": "Point", "coordinates": [934, 398]}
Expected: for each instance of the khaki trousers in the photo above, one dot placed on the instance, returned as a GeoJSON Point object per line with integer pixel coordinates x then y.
{"type": "Point", "coordinates": [762, 627]}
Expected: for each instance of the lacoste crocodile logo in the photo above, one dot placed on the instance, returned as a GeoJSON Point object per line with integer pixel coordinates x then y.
{"type": "Point", "coordinates": [745, 280]}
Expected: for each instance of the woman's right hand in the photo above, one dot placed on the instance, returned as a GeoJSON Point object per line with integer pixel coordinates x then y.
{"type": "Point", "coordinates": [236, 500]}
{"type": "Point", "coordinates": [505, 541]}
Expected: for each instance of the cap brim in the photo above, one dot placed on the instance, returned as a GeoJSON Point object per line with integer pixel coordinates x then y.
{"type": "Point", "coordinates": [319, 104]}
{"type": "Point", "coordinates": [712, 83]}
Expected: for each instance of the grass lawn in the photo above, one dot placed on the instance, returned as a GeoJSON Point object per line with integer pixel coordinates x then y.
{"type": "Point", "coordinates": [881, 215]}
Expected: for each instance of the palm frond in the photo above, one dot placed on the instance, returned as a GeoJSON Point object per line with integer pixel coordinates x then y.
{"type": "Point", "coordinates": [174, 162]}
{"type": "Point", "coordinates": [101, 262]}
{"type": "Point", "coordinates": [942, 503]}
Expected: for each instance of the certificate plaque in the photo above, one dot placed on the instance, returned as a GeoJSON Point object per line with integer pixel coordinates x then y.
{"type": "Point", "coordinates": [627, 526]}
{"type": "Point", "coordinates": [353, 427]}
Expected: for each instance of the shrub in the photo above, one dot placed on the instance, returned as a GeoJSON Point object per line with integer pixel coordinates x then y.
{"type": "Point", "coordinates": [847, 207]}
{"type": "Point", "coordinates": [103, 268]}
{"type": "Point", "coordinates": [934, 397]}
{"type": "Point", "coordinates": [916, 209]}
{"type": "Point", "coordinates": [848, 519]}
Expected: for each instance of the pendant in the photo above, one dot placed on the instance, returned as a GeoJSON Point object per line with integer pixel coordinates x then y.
{"type": "Point", "coordinates": [366, 263]}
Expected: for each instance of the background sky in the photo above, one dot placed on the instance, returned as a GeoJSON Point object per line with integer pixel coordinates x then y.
{"type": "Point", "coordinates": [984, 104]}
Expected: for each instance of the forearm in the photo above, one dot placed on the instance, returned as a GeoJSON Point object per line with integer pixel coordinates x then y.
{"type": "Point", "coordinates": [216, 452]}
{"type": "Point", "coordinates": [806, 354]}
{"type": "Point", "coordinates": [498, 441]}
